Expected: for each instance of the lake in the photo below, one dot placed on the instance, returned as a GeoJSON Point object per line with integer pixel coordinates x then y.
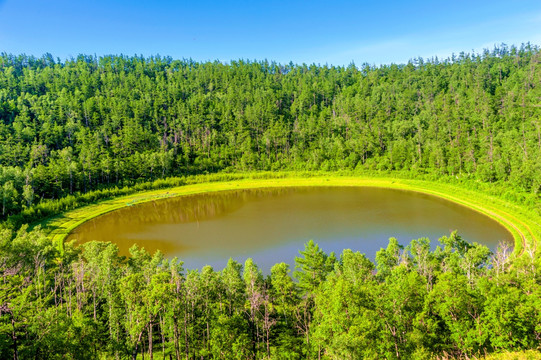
{"type": "Point", "coordinates": [271, 225]}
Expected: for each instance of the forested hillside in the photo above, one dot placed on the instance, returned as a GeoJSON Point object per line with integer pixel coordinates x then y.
{"type": "Point", "coordinates": [92, 123]}
{"type": "Point", "coordinates": [74, 131]}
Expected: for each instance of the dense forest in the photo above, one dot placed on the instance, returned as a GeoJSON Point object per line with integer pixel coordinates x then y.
{"type": "Point", "coordinates": [92, 123]}
{"type": "Point", "coordinates": [457, 300]}
{"type": "Point", "coordinates": [82, 129]}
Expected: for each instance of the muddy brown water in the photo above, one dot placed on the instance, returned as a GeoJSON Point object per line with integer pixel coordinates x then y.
{"type": "Point", "coordinates": [271, 225]}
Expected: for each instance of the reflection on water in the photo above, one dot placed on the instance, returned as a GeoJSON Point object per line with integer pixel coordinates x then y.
{"type": "Point", "coordinates": [272, 225]}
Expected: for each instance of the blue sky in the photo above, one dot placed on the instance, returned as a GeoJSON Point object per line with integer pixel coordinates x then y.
{"type": "Point", "coordinates": [322, 32]}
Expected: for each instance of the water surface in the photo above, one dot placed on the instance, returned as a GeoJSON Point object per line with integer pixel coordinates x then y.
{"type": "Point", "coordinates": [272, 224]}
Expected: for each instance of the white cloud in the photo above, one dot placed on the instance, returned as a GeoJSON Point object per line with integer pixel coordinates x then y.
{"type": "Point", "coordinates": [474, 38]}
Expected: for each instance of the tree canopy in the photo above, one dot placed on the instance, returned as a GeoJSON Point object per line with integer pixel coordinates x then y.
{"type": "Point", "coordinates": [91, 123]}
{"type": "Point", "coordinates": [94, 303]}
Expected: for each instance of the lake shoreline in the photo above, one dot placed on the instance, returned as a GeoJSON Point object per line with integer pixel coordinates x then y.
{"type": "Point", "coordinates": [523, 226]}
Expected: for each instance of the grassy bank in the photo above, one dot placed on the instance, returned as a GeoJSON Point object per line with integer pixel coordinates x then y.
{"type": "Point", "coordinates": [521, 355]}
{"type": "Point", "coordinates": [521, 222]}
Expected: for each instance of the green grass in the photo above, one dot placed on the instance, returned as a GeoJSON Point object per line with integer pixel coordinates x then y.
{"type": "Point", "coordinates": [521, 222]}
{"type": "Point", "coordinates": [521, 355]}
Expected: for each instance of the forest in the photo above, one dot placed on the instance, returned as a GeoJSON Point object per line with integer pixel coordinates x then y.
{"type": "Point", "coordinates": [458, 300]}
{"type": "Point", "coordinates": [96, 124]}
{"type": "Point", "coordinates": [87, 128]}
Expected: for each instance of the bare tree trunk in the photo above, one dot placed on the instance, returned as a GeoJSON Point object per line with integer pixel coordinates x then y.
{"type": "Point", "coordinates": [150, 347]}
{"type": "Point", "coordinates": [208, 336]}
{"type": "Point", "coordinates": [134, 354]}
{"type": "Point", "coordinates": [143, 350]}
